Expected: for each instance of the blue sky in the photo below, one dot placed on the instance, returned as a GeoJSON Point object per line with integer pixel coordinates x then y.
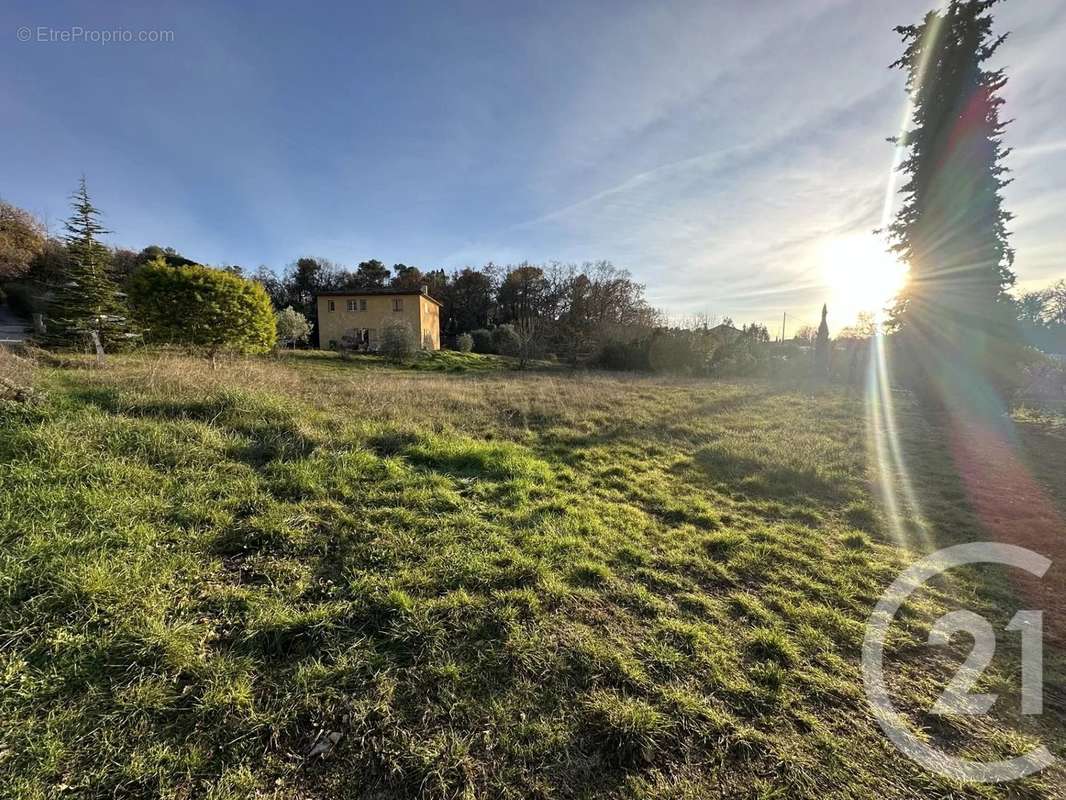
{"type": "Point", "coordinates": [712, 148]}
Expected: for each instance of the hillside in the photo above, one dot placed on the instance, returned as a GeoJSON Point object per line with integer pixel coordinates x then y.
{"type": "Point", "coordinates": [478, 583]}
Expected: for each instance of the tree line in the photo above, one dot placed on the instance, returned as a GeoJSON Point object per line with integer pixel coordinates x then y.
{"type": "Point", "coordinates": [1042, 316]}
{"type": "Point", "coordinates": [84, 290]}
{"type": "Point", "coordinates": [569, 302]}
{"type": "Point", "coordinates": [592, 313]}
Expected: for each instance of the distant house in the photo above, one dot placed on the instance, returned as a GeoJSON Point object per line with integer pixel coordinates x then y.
{"type": "Point", "coordinates": [364, 313]}
{"type": "Point", "coordinates": [726, 331]}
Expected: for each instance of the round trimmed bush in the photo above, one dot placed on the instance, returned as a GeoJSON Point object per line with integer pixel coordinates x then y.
{"type": "Point", "coordinates": [201, 307]}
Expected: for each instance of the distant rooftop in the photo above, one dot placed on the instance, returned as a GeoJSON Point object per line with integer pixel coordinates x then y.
{"type": "Point", "coordinates": [424, 292]}
{"type": "Point", "coordinates": [725, 327]}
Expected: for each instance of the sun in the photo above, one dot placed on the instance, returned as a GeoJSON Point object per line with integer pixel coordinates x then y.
{"type": "Point", "coordinates": [861, 275]}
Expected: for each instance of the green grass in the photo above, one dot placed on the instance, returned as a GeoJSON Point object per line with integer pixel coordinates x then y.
{"type": "Point", "coordinates": [482, 584]}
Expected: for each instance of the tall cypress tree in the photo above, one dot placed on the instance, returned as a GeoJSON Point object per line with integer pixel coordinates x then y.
{"type": "Point", "coordinates": [954, 314]}
{"type": "Point", "coordinates": [84, 298]}
{"type": "Point", "coordinates": [822, 349]}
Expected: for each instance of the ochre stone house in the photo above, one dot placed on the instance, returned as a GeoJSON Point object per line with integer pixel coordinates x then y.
{"type": "Point", "coordinates": [364, 313]}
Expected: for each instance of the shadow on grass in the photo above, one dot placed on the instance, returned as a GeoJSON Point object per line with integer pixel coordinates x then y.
{"type": "Point", "coordinates": [754, 478]}
{"type": "Point", "coordinates": [273, 442]}
{"type": "Point", "coordinates": [270, 432]}
{"type": "Point", "coordinates": [451, 362]}
{"type": "Point", "coordinates": [110, 399]}
{"type": "Point", "coordinates": [729, 403]}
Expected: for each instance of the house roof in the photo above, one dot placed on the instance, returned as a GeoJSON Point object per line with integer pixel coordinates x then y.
{"type": "Point", "coordinates": [381, 290]}
{"type": "Point", "coordinates": [726, 328]}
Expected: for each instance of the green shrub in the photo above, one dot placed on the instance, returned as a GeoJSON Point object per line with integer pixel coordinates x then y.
{"type": "Point", "coordinates": [629, 356]}
{"type": "Point", "coordinates": [482, 341]}
{"type": "Point", "coordinates": [791, 361]}
{"type": "Point", "coordinates": [464, 343]}
{"type": "Point", "coordinates": [682, 352]}
{"type": "Point", "coordinates": [1044, 380]}
{"type": "Point", "coordinates": [741, 356]}
{"type": "Point", "coordinates": [201, 307]}
{"type": "Point", "coordinates": [505, 340]}
{"type": "Point", "coordinates": [689, 352]}
{"type": "Point", "coordinates": [292, 327]}
{"type": "Point", "coordinates": [397, 342]}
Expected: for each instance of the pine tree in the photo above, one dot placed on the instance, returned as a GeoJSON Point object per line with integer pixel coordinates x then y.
{"type": "Point", "coordinates": [952, 229]}
{"type": "Point", "coordinates": [86, 304]}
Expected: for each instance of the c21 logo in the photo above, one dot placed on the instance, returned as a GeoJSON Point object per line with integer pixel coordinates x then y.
{"type": "Point", "coordinates": [957, 698]}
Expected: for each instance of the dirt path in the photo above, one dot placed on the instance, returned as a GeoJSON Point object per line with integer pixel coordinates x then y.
{"type": "Point", "coordinates": [1016, 509]}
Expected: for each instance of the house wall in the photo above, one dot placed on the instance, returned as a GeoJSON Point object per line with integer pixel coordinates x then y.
{"type": "Point", "coordinates": [430, 338]}
{"type": "Point", "coordinates": [421, 315]}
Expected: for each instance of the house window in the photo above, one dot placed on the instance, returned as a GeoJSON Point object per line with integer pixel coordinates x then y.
{"type": "Point", "coordinates": [332, 306]}
{"type": "Point", "coordinates": [351, 305]}
{"type": "Point", "coordinates": [362, 305]}
{"type": "Point", "coordinates": [397, 304]}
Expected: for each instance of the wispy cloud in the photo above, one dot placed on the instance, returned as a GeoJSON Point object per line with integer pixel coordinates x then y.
{"type": "Point", "coordinates": [722, 194]}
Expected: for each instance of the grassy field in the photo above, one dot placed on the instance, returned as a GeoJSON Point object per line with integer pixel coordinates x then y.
{"type": "Point", "coordinates": [463, 581]}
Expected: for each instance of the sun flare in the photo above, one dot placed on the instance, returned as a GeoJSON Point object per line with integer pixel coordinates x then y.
{"type": "Point", "coordinates": [861, 275]}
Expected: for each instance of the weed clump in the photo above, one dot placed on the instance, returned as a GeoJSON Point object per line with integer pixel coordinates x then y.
{"type": "Point", "coordinates": [771, 644]}
{"type": "Point", "coordinates": [590, 573]}
{"type": "Point", "coordinates": [627, 731]}
{"type": "Point", "coordinates": [856, 541]}
{"type": "Point", "coordinates": [723, 544]}
{"type": "Point", "coordinates": [461, 455]}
